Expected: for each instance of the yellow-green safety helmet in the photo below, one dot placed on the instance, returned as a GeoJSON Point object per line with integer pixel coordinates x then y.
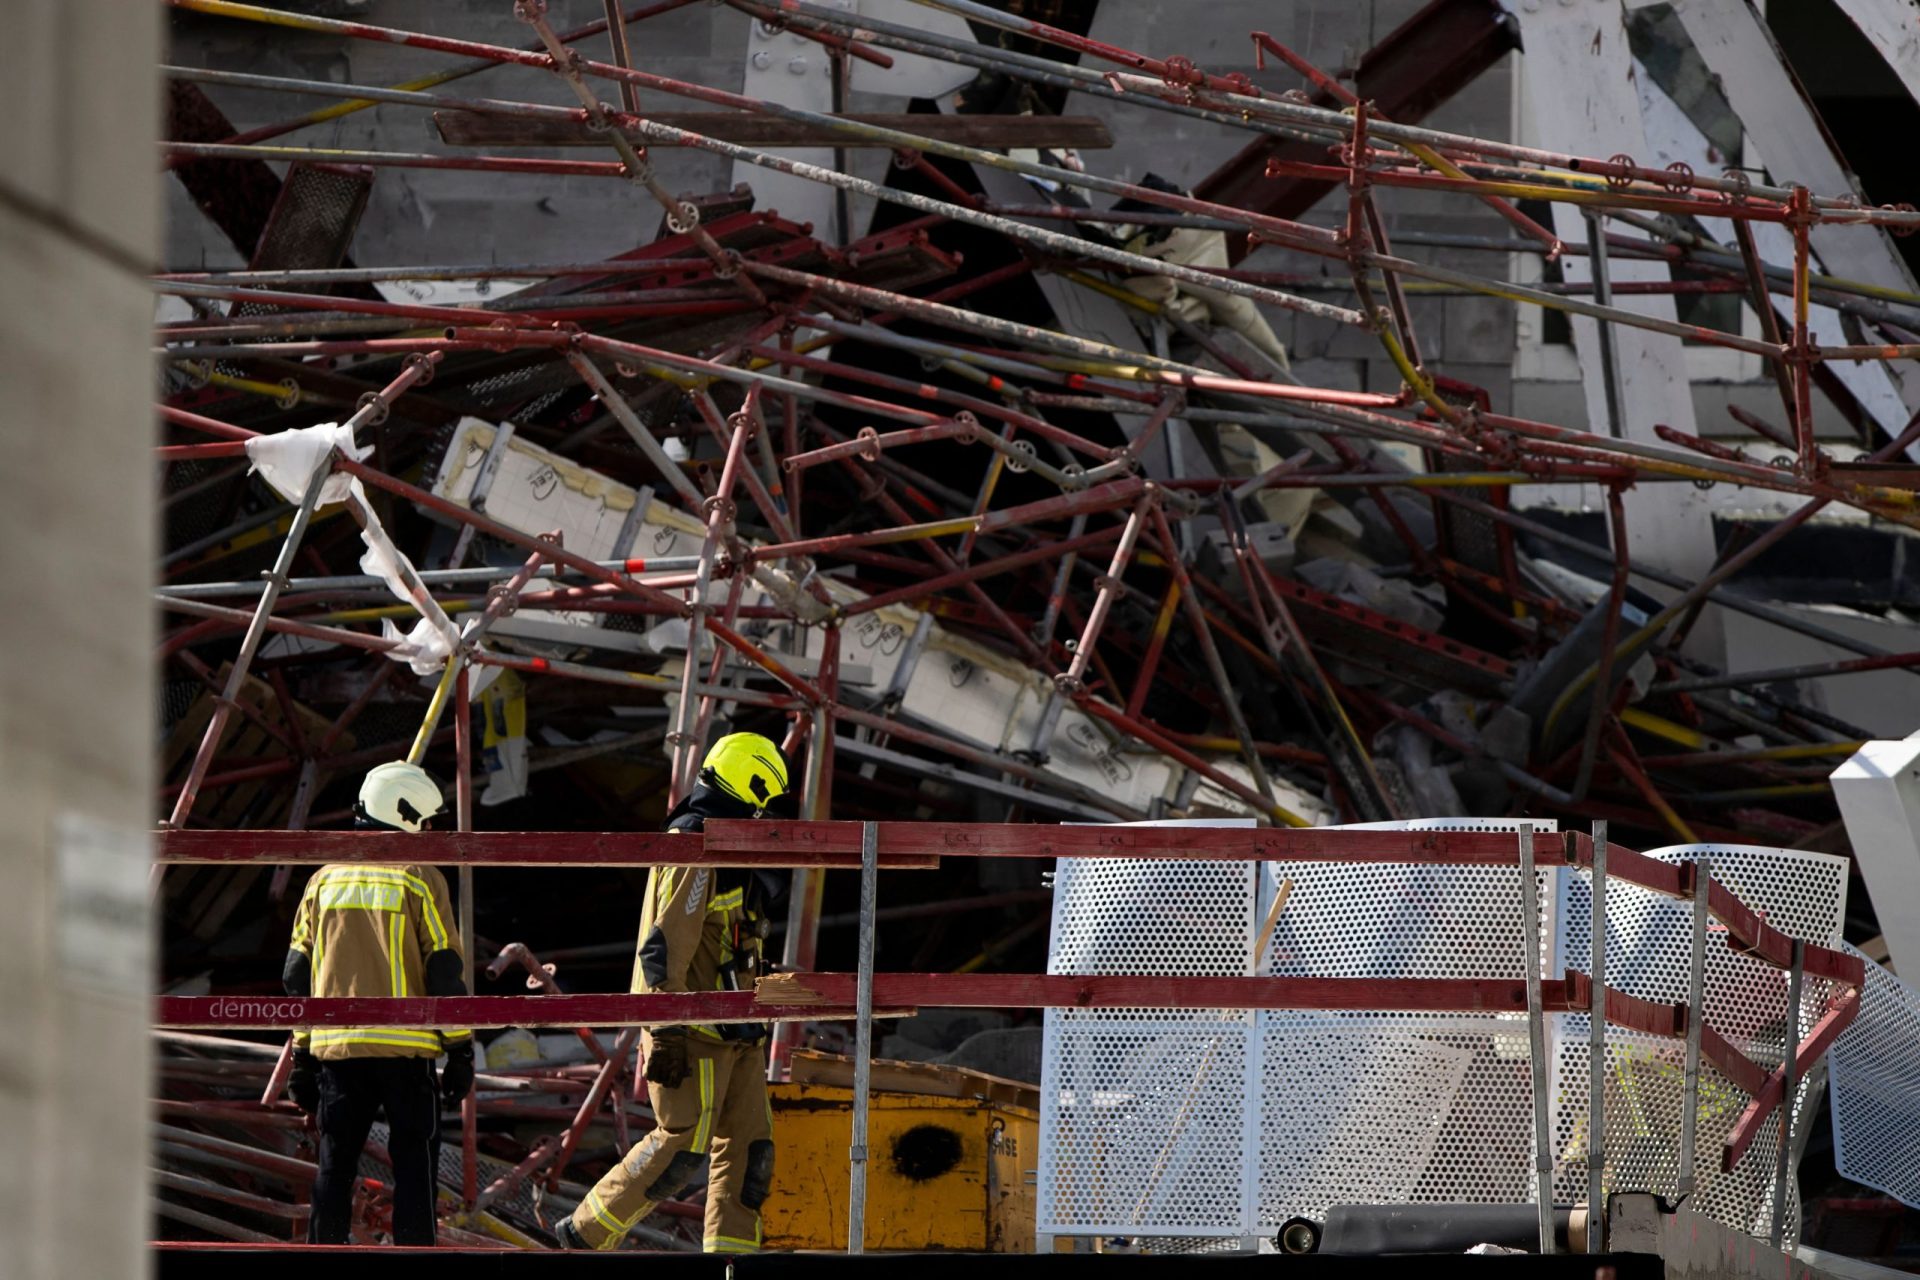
{"type": "Point", "coordinates": [748, 767]}
{"type": "Point", "coordinates": [400, 795]}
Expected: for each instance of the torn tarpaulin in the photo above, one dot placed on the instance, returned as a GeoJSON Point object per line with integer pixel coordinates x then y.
{"type": "Point", "coordinates": [286, 460]}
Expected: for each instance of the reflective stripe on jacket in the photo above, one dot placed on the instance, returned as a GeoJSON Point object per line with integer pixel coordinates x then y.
{"type": "Point", "coordinates": [699, 931]}
{"type": "Point", "coordinates": [367, 930]}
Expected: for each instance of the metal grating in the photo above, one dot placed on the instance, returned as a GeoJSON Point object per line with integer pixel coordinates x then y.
{"type": "Point", "coordinates": [1221, 1124]}
{"type": "Point", "coordinates": [1468, 536]}
{"type": "Point", "coordinates": [1649, 947]}
{"type": "Point", "coordinates": [1156, 1146]}
{"type": "Point", "coordinates": [314, 218]}
{"type": "Point", "coordinates": [1876, 1089]}
{"type": "Point", "coordinates": [1287, 1112]}
{"type": "Point", "coordinates": [1383, 1102]}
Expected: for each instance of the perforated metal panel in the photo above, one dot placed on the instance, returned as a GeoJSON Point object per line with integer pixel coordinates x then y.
{"type": "Point", "coordinates": [1143, 1110]}
{"type": "Point", "coordinates": [1876, 1089]}
{"type": "Point", "coordinates": [1398, 1107]}
{"type": "Point", "coordinates": [1649, 949]}
{"type": "Point", "coordinates": [1218, 1125]}
{"type": "Point", "coordinates": [1159, 1148]}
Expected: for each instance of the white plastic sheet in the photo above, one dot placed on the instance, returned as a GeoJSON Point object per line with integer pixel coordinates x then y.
{"type": "Point", "coordinates": [286, 461]}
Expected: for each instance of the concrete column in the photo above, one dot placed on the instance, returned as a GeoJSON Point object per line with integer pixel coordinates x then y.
{"type": "Point", "coordinates": [79, 223]}
{"type": "Point", "coordinates": [1584, 99]}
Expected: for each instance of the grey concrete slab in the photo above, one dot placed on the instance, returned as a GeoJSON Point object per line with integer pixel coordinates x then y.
{"type": "Point", "coordinates": [76, 689]}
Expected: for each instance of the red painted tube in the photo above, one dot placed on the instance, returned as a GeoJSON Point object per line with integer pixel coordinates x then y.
{"type": "Point", "coordinates": [988, 569]}
{"type": "Point", "coordinates": [866, 444]}
{"type": "Point", "coordinates": [331, 302]}
{"type": "Point", "coordinates": [210, 426]}
{"type": "Point", "coordinates": [187, 452]}
{"type": "Point", "coordinates": [275, 130]}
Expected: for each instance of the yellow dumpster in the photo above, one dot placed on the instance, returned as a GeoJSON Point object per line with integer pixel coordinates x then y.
{"type": "Point", "coordinates": [942, 1172]}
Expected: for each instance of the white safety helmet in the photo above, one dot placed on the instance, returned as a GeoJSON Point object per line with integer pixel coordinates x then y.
{"type": "Point", "coordinates": [400, 795]}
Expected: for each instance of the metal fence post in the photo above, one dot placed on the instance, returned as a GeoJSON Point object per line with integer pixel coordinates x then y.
{"type": "Point", "coordinates": [1597, 1052]}
{"type": "Point", "coordinates": [1536, 1037]}
{"type": "Point", "coordinates": [863, 1041]}
{"type": "Point", "coordinates": [1789, 1083]}
{"type": "Point", "coordinates": [1696, 1019]}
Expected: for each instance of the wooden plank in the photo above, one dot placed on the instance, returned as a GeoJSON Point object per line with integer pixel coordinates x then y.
{"type": "Point", "coordinates": [1746, 1074]}
{"type": "Point", "coordinates": [1631, 1012]}
{"type": "Point", "coordinates": [1280, 897]}
{"type": "Point", "coordinates": [1750, 934]}
{"type": "Point", "coordinates": [479, 1011]}
{"type": "Point", "coordinates": [491, 848]}
{"type": "Point", "coordinates": [1747, 931]}
{"type": "Point", "coordinates": [1018, 840]}
{"type": "Point", "coordinates": [925, 1079]}
{"type": "Point", "coordinates": [1131, 991]}
{"type": "Point", "coordinates": [1768, 1096]}
{"type": "Point", "coordinates": [1086, 133]}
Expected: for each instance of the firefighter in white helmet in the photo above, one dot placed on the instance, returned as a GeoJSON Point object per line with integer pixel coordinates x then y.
{"type": "Point", "coordinates": [701, 929]}
{"type": "Point", "coordinates": [366, 929]}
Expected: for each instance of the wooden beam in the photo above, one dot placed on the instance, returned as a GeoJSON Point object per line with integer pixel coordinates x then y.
{"type": "Point", "coordinates": [495, 849]}
{"type": "Point", "coordinates": [926, 1079]}
{"type": "Point", "coordinates": [471, 129]}
{"type": "Point", "coordinates": [749, 838]}
{"type": "Point", "coordinates": [1154, 991]}
{"type": "Point", "coordinates": [1773, 1091]}
{"type": "Point", "coordinates": [649, 1009]}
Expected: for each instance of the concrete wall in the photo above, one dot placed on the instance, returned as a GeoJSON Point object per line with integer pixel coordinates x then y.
{"type": "Point", "coordinates": [1470, 338]}
{"type": "Point", "coordinates": [449, 216]}
{"type": "Point", "coordinates": [79, 222]}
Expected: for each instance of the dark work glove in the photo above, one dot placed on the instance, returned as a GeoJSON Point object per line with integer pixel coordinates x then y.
{"type": "Point", "coordinates": [667, 1057]}
{"type": "Point", "coordinates": [303, 1084]}
{"type": "Point", "coordinates": [457, 1078]}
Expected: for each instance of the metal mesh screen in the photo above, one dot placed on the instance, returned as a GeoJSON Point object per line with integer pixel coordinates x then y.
{"type": "Point", "coordinates": [313, 221]}
{"type": "Point", "coordinates": [1221, 1124]}
{"type": "Point", "coordinates": [1649, 949]}
{"type": "Point", "coordinates": [1876, 1089]}
{"type": "Point", "coordinates": [1473, 538]}
{"type": "Point", "coordinates": [1397, 1107]}
{"type": "Point", "coordinates": [1144, 1113]}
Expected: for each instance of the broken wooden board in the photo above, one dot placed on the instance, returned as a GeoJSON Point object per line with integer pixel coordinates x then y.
{"type": "Point", "coordinates": [928, 1079]}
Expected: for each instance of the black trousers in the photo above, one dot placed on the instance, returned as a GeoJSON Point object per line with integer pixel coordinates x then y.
{"type": "Point", "coordinates": [353, 1093]}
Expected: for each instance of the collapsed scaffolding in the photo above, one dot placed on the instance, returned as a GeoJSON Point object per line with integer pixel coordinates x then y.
{"type": "Point", "coordinates": [727, 339]}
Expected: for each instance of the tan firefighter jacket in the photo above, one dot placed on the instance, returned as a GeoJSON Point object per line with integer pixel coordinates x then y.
{"type": "Point", "coordinates": [368, 930]}
{"type": "Point", "coordinates": [701, 930]}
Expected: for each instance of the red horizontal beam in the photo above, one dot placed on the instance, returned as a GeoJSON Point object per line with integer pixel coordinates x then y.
{"type": "Point", "coordinates": [788, 997]}
{"type": "Point", "coordinates": [1627, 1011]}
{"type": "Point", "coordinates": [819, 996]}
{"type": "Point", "coordinates": [1767, 1097]}
{"type": "Point", "coordinates": [1160, 991]}
{"type": "Point", "coordinates": [1018, 840]}
{"type": "Point", "coordinates": [493, 848]}
{"type": "Point", "coordinates": [474, 1011]}
{"type": "Point", "coordinates": [1747, 930]}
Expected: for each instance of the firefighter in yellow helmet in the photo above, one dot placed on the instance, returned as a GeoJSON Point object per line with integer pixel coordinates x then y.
{"type": "Point", "coordinates": [364, 929]}
{"type": "Point", "coordinates": [701, 929]}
